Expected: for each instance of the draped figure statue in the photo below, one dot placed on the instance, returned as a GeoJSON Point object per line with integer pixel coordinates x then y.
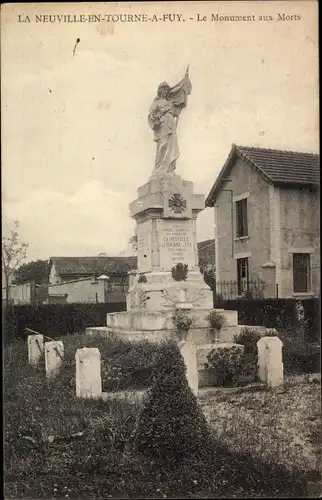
{"type": "Point", "coordinates": [163, 119]}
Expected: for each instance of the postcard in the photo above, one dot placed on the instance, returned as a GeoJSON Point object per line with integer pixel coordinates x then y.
{"type": "Point", "coordinates": [161, 249]}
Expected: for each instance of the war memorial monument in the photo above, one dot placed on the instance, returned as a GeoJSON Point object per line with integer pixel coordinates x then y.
{"type": "Point", "coordinates": [165, 211]}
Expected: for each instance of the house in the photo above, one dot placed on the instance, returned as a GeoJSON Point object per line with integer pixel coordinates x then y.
{"type": "Point", "coordinates": [267, 220]}
{"type": "Point", "coordinates": [89, 279]}
{"type": "Point", "coordinates": [74, 268]}
{"type": "Point", "coordinates": [24, 293]}
{"type": "Point", "coordinates": [87, 290]}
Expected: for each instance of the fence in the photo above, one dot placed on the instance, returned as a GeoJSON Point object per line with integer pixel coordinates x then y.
{"type": "Point", "coordinates": [229, 290]}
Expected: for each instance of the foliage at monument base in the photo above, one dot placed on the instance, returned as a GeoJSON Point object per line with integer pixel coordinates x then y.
{"type": "Point", "coordinates": [57, 445]}
{"type": "Point", "coordinates": [171, 426]}
{"type": "Point", "coordinates": [231, 366]}
{"type": "Point", "coordinates": [299, 355]}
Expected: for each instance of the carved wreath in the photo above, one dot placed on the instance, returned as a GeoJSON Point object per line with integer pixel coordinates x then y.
{"type": "Point", "coordinates": [180, 272]}
{"type": "Point", "coordinates": [195, 297]}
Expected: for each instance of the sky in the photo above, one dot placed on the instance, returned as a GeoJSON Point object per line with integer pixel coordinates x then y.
{"type": "Point", "coordinates": [75, 139]}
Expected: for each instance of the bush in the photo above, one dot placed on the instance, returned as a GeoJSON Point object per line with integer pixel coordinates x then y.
{"type": "Point", "coordinates": [124, 365]}
{"type": "Point", "coordinates": [276, 313]}
{"type": "Point", "coordinates": [131, 367]}
{"type": "Point", "coordinates": [171, 426]}
{"type": "Point", "coordinates": [55, 320]}
{"type": "Point", "coordinates": [229, 365]}
{"type": "Point", "coordinates": [248, 337]}
{"type": "Point", "coordinates": [299, 355]}
{"type": "Point", "coordinates": [209, 275]}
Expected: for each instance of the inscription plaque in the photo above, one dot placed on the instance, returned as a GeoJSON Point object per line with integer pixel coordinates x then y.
{"type": "Point", "coordinates": [176, 243]}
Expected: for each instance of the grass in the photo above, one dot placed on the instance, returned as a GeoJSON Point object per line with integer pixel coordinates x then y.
{"type": "Point", "coordinates": [58, 446]}
{"type": "Point", "coordinates": [281, 425]}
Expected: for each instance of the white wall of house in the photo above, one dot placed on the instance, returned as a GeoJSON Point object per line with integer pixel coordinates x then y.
{"type": "Point", "coordinates": [53, 276]}
{"type": "Point", "coordinates": [244, 183]}
{"type": "Point", "coordinates": [83, 290]}
{"type": "Point", "coordinates": [281, 223]}
{"type": "Point", "coordinates": [19, 294]}
{"type": "Point", "coordinates": [299, 234]}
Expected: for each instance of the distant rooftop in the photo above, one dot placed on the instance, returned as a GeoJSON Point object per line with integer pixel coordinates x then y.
{"type": "Point", "coordinates": [85, 266]}
{"type": "Point", "coordinates": [93, 265]}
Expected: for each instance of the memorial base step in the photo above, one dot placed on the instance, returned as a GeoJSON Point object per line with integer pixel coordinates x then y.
{"type": "Point", "coordinates": [199, 336]}
{"type": "Point", "coordinates": [162, 320]}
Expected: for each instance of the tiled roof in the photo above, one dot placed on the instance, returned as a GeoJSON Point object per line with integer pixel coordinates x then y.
{"type": "Point", "coordinates": [203, 244]}
{"type": "Point", "coordinates": [88, 266]}
{"type": "Point", "coordinates": [284, 166]}
{"type": "Point", "coordinates": [206, 253]}
{"type": "Point", "coordinates": [288, 168]}
{"type": "Point", "coordinates": [93, 265]}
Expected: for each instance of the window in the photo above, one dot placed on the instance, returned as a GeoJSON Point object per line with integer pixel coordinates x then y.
{"type": "Point", "coordinates": [241, 218]}
{"type": "Point", "coordinates": [301, 272]}
{"type": "Point", "coordinates": [242, 275]}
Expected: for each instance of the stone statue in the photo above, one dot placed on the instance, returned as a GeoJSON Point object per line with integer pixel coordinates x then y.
{"type": "Point", "coordinates": [163, 119]}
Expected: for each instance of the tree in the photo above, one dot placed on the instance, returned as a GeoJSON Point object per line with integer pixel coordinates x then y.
{"type": "Point", "coordinates": [209, 275]}
{"type": "Point", "coordinates": [14, 252]}
{"type": "Point", "coordinates": [134, 242]}
{"type": "Point", "coordinates": [36, 270]}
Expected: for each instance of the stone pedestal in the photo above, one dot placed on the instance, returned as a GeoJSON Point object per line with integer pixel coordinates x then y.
{"type": "Point", "coordinates": [270, 362]}
{"type": "Point", "coordinates": [35, 348]}
{"type": "Point", "coordinates": [54, 355]}
{"type": "Point", "coordinates": [166, 212]}
{"type": "Point", "coordinates": [189, 353]}
{"type": "Point", "coordinates": [88, 373]}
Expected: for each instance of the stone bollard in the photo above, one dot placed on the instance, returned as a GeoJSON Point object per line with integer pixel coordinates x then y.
{"type": "Point", "coordinates": [270, 363]}
{"type": "Point", "coordinates": [35, 348]}
{"type": "Point", "coordinates": [54, 354]}
{"type": "Point", "coordinates": [189, 353]}
{"type": "Point", "coordinates": [88, 373]}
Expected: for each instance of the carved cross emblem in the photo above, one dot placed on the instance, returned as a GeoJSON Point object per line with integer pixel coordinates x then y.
{"type": "Point", "coordinates": [177, 204]}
